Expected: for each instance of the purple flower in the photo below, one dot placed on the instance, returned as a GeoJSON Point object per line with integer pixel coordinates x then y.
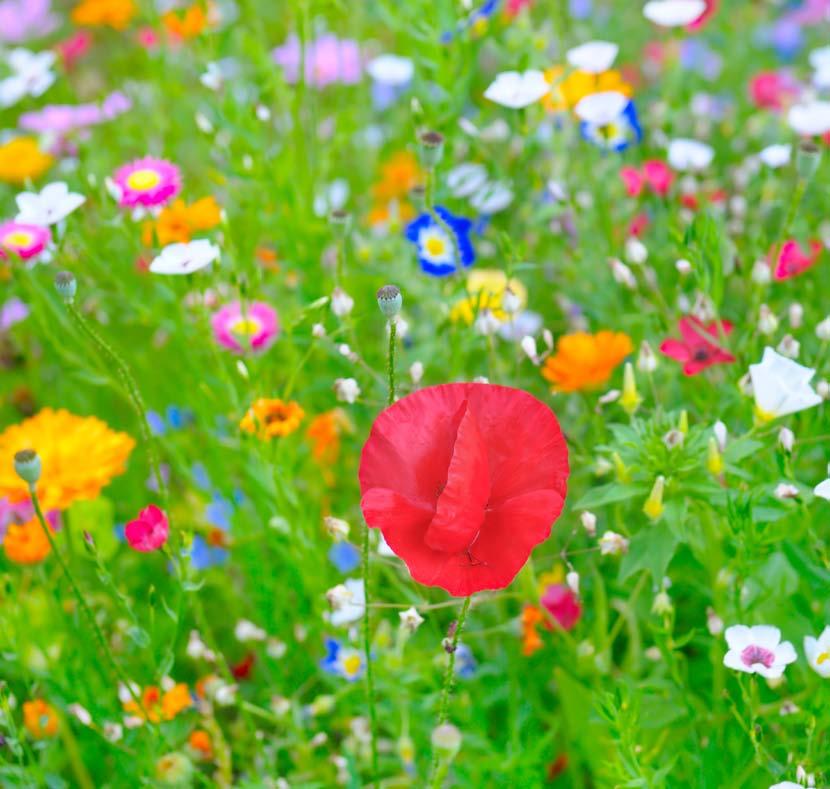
{"type": "Point", "coordinates": [327, 60]}
{"type": "Point", "coordinates": [22, 513]}
{"type": "Point", "coordinates": [13, 311]}
{"type": "Point", "coordinates": [65, 118]}
{"type": "Point", "coordinates": [21, 20]}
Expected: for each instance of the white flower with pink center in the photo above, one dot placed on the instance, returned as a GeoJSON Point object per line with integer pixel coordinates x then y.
{"type": "Point", "coordinates": [758, 650]}
{"type": "Point", "coordinates": [146, 182]}
{"type": "Point", "coordinates": [23, 240]}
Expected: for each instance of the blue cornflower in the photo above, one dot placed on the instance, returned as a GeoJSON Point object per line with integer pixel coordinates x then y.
{"type": "Point", "coordinates": [341, 661]}
{"type": "Point", "coordinates": [440, 253]}
{"type": "Point", "coordinates": [465, 663]}
{"type": "Point", "coordinates": [156, 423]}
{"type": "Point", "coordinates": [344, 556]}
{"type": "Point", "coordinates": [204, 555]}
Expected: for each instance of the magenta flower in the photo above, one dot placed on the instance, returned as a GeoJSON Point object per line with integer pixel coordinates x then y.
{"type": "Point", "coordinates": [327, 60]}
{"type": "Point", "coordinates": [252, 327]}
{"type": "Point", "coordinates": [563, 605]}
{"type": "Point", "coordinates": [149, 531]}
{"type": "Point", "coordinates": [792, 261]}
{"type": "Point", "coordinates": [147, 182]}
{"type": "Point", "coordinates": [25, 241]}
{"type": "Point", "coordinates": [699, 347]}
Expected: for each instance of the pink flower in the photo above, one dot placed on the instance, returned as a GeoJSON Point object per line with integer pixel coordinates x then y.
{"type": "Point", "coordinates": [563, 605]}
{"type": "Point", "coordinates": [72, 49]}
{"type": "Point", "coordinates": [659, 176]}
{"type": "Point", "coordinates": [147, 182]}
{"type": "Point", "coordinates": [772, 90]}
{"type": "Point", "coordinates": [25, 241]}
{"type": "Point", "coordinates": [710, 10]}
{"type": "Point", "coordinates": [252, 327]}
{"type": "Point", "coordinates": [639, 225]}
{"type": "Point", "coordinates": [792, 261]}
{"type": "Point", "coordinates": [633, 180]}
{"type": "Point", "coordinates": [149, 531]}
{"type": "Point", "coordinates": [327, 60]}
{"type": "Point", "coordinates": [696, 350]}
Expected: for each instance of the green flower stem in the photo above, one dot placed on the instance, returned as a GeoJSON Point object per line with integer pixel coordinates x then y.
{"type": "Point", "coordinates": [127, 380]}
{"type": "Point", "coordinates": [439, 769]}
{"type": "Point", "coordinates": [390, 363]}
{"type": "Point", "coordinates": [367, 652]}
{"type": "Point", "coordinates": [102, 642]}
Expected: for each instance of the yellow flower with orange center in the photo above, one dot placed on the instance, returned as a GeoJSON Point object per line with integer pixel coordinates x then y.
{"type": "Point", "coordinates": [585, 361]}
{"type": "Point", "coordinates": [178, 222]}
{"type": "Point", "coordinates": [79, 457]}
{"type": "Point", "coordinates": [104, 13]}
{"type": "Point", "coordinates": [40, 719]}
{"type": "Point", "coordinates": [567, 91]}
{"type": "Point", "coordinates": [22, 159]}
{"type": "Point", "coordinates": [272, 417]}
{"type": "Point", "coordinates": [26, 543]}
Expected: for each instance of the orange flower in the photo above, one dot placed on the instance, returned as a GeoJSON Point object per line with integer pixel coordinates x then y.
{"type": "Point", "coordinates": [26, 543]}
{"type": "Point", "coordinates": [269, 418]}
{"type": "Point", "coordinates": [393, 213]}
{"type": "Point", "coordinates": [189, 25]}
{"type": "Point", "coordinates": [104, 13]}
{"type": "Point", "coordinates": [199, 741]}
{"type": "Point", "coordinates": [79, 456]}
{"type": "Point", "coordinates": [399, 175]}
{"type": "Point", "coordinates": [40, 719]}
{"type": "Point", "coordinates": [178, 222]}
{"type": "Point", "coordinates": [566, 92]}
{"type": "Point", "coordinates": [531, 617]}
{"type": "Point", "coordinates": [157, 706]}
{"type": "Point", "coordinates": [585, 361]}
{"type": "Point", "coordinates": [324, 434]}
{"type": "Point", "coordinates": [21, 159]}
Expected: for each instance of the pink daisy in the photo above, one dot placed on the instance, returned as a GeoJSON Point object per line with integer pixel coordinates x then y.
{"type": "Point", "coordinates": [25, 241]}
{"type": "Point", "coordinates": [256, 327]}
{"type": "Point", "coordinates": [147, 182]}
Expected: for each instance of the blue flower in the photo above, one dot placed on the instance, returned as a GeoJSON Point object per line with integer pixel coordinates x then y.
{"type": "Point", "coordinates": [203, 555]}
{"type": "Point", "coordinates": [614, 134]}
{"type": "Point", "coordinates": [440, 253]}
{"type": "Point", "coordinates": [478, 20]}
{"type": "Point", "coordinates": [465, 663]}
{"type": "Point", "coordinates": [344, 556]}
{"type": "Point", "coordinates": [341, 661]}
{"type": "Point", "coordinates": [218, 512]}
{"type": "Point", "coordinates": [156, 422]}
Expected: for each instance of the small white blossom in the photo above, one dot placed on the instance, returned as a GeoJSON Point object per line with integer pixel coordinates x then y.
{"type": "Point", "coordinates": [411, 620]}
{"type": "Point", "coordinates": [347, 390]}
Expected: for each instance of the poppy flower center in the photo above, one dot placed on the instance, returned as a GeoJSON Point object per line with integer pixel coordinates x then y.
{"type": "Point", "coordinates": [754, 655]}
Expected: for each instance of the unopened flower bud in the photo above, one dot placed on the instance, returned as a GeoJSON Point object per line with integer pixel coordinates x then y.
{"type": "Point", "coordinates": [572, 579]}
{"type": "Point", "coordinates": [646, 359]}
{"type": "Point", "coordinates": [337, 528]}
{"type": "Point", "coordinates": [767, 321]}
{"type": "Point", "coordinates": [761, 273]}
{"type": "Point", "coordinates": [635, 251]}
{"type": "Point", "coordinates": [653, 508]}
{"type": "Point", "coordinates": [341, 302]}
{"type": "Point", "coordinates": [789, 347]}
{"type": "Point", "coordinates": [684, 268]}
{"type": "Point", "coordinates": [795, 315]}
{"type": "Point", "coordinates": [340, 221]}
{"type": "Point", "coordinates": [27, 465]}
{"type": "Point", "coordinates": [589, 522]}
{"type": "Point", "coordinates": [390, 300]}
{"type": "Point", "coordinates": [66, 285]}
{"type": "Point", "coordinates": [446, 741]}
{"type": "Point", "coordinates": [612, 544]}
{"type": "Point", "coordinates": [432, 148]}
{"type": "Point", "coordinates": [630, 400]}
{"type": "Point", "coordinates": [416, 372]}
{"type": "Point", "coordinates": [786, 439]}
{"type": "Point", "coordinates": [823, 330]}
{"type": "Point", "coordinates": [714, 459]}
{"type": "Point", "coordinates": [529, 347]}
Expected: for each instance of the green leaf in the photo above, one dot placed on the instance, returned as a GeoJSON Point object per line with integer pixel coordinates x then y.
{"type": "Point", "coordinates": [609, 494]}
{"type": "Point", "coordinates": [98, 518]}
{"type": "Point", "coordinates": [651, 549]}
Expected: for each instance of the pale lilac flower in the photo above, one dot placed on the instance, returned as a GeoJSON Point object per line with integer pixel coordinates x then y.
{"type": "Point", "coordinates": [328, 60]}
{"type": "Point", "coordinates": [21, 20]}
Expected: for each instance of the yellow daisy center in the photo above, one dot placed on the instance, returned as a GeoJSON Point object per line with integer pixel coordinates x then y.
{"type": "Point", "coordinates": [142, 180]}
{"type": "Point", "coordinates": [351, 664]}
{"type": "Point", "coordinates": [435, 246]}
{"type": "Point", "coordinates": [246, 327]}
{"type": "Point", "coordinates": [17, 238]}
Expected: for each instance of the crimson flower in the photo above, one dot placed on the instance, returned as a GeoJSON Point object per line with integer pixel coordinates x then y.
{"type": "Point", "coordinates": [463, 480]}
{"type": "Point", "coordinates": [563, 605]}
{"type": "Point", "coordinates": [792, 261]}
{"type": "Point", "coordinates": [699, 347]}
{"type": "Point", "coordinates": [149, 531]}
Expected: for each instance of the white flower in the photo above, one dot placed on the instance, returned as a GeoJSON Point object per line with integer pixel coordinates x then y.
{"type": "Point", "coordinates": [517, 89]}
{"type": "Point", "coordinates": [601, 109]}
{"type": "Point", "coordinates": [786, 490]}
{"type": "Point", "coordinates": [786, 439]}
{"type": "Point", "coordinates": [612, 543]}
{"type": "Point", "coordinates": [776, 155]}
{"type": "Point", "coordinates": [593, 56]}
{"type": "Point", "coordinates": [721, 434]}
{"type": "Point", "coordinates": [781, 386]}
{"type": "Point", "coordinates": [789, 347]}
{"type": "Point", "coordinates": [820, 58]}
{"type": "Point", "coordinates": [338, 596]}
{"type": "Point", "coordinates": [248, 631]}
{"type": "Point", "coordinates": [213, 78]}
{"type": "Point", "coordinates": [493, 197]}
{"type": "Point", "coordinates": [347, 390]}
{"type": "Point", "coordinates": [416, 372]}
{"type": "Point", "coordinates": [758, 650]}
{"type": "Point", "coordinates": [31, 75]}
{"type": "Point", "coordinates": [392, 70]}
{"type": "Point", "coordinates": [823, 330]}
{"type": "Point", "coordinates": [822, 490]}
{"type": "Point", "coordinates": [49, 206]}
{"type": "Point", "coordinates": [341, 302]}
{"type": "Point", "coordinates": [528, 345]}
{"type": "Point", "coordinates": [411, 620]}
{"type": "Point", "coordinates": [337, 528]}
{"type": "Point", "coordinates": [351, 609]}
{"type": "Point", "coordinates": [81, 713]}
{"type": "Point", "coordinates": [810, 119]}
{"type": "Point", "coordinates": [692, 155]}
{"type": "Point", "coordinates": [767, 320]}
{"type": "Point", "coordinates": [817, 651]}
{"type": "Point", "coordinates": [673, 13]}
{"type": "Point", "coordinates": [786, 785]}
{"type": "Point", "coordinates": [466, 179]}
{"type": "Point", "coordinates": [332, 198]}
{"type": "Point", "coordinates": [185, 258]}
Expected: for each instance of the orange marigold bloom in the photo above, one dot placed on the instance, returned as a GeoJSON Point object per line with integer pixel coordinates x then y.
{"type": "Point", "coordinates": [157, 706]}
{"type": "Point", "coordinates": [179, 221]}
{"type": "Point", "coordinates": [585, 361]}
{"type": "Point", "coordinates": [200, 742]}
{"type": "Point", "coordinates": [269, 418]}
{"type": "Point", "coordinates": [26, 543]}
{"type": "Point", "coordinates": [79, 456]}
{"type": "Point", "coordinates": [567, 91]}
{"type": "Point", "coordinates": [399, 175]}
{"type": "Point", "coordinates": [21, 159]}
{"type": "Point", "coordinates": [324, 434]}
{"type": "Point", "coordinates": [189, 25]}
{"type": "Point", "coordinates": [40, 719]}
{"type": "Point", "coordinates": [104, 13]}
{"type": "Point", "coordinates": [531, 642]}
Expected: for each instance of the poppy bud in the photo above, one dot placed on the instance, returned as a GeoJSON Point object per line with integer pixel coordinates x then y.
{"type": "Point", "coordinates": [807, 159]}
{"type": "Point", "coordinates": [446, 740]}
{"type": "Point", "coordinates": [390, 300]}
{"type": "Point", "coordinates": [66, 285]}
{"type": "Point", "coordinates": [432, 148]}
{"type": "Point", "coordinates": [340, 221]}
{"type": "Point", "coordinates": [653, 507]}
{"type": "Point", "coordinates": [27, 465]}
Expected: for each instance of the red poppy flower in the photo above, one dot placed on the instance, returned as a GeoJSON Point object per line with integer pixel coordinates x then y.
{"type": "Point", "coordinates": [792, 261]}
{"type": "Point", "coordinates": [463, 480]}
{"type": "Point", "coordinates": [696, 350]}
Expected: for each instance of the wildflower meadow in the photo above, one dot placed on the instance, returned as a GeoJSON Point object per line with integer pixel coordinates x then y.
{"type": "Point", "coordinates": [415, 393]}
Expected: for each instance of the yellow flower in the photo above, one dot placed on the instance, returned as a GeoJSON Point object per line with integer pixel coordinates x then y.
{"type": "Point", "coordinates": [487, 288]}
{"type": "Point", "coordinates": [40, 719]}
{"type": "Point", "coordinates": [268, 418]}
{"type": "Point", "coordinates": [79, 456]}
{"type": "Point", "coordinates": [585, 361]}
{"type": "Point", "coordinates": [567, 91]}
{"type": "Point", "coordinates": [21, 159]}
{"type": "Point", "coordinates": [104, 13]}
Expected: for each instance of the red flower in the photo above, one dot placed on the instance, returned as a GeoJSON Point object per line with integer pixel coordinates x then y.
{"type": "Point", "coordinates": [703, 19]}
{"type": "Point", "coordinates": [242, 670]}
{"type": "Point", "coordinates": [696, 350]}
{"type": "Point", "coordinates": [562, 604]}
{"type": "Point", "coordinates": [792, 261]}
{"type": "Point", "coordinates": [149, 531]}
{"type": "Point", "coordinates": [463, 480]}
{"type": "Point", "coordinates": [772, 90]}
